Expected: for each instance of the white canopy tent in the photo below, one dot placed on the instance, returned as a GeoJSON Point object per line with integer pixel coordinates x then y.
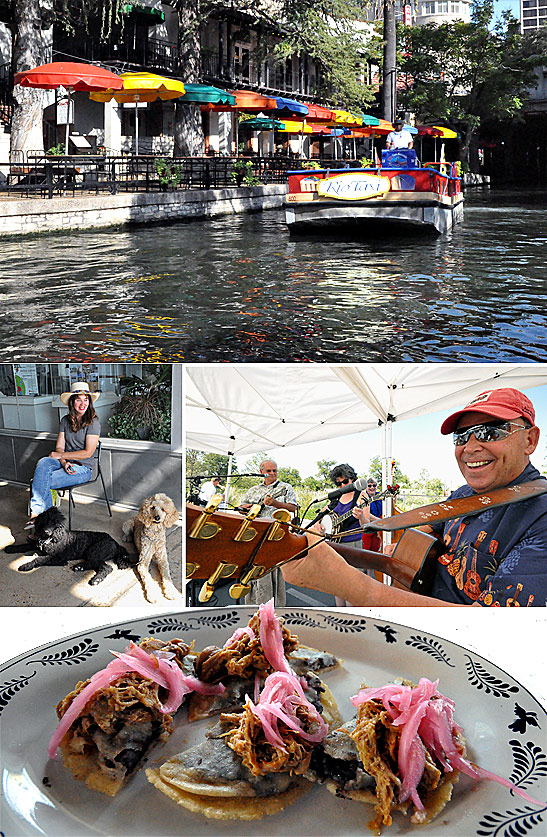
{"type": "Point", "coordinates": [239, 409]}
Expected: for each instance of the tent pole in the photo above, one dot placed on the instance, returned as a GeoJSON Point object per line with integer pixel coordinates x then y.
{"type": "Point", "coordinates": [136, 124]}
{"type": "Point", "coordinates": [227, 492]}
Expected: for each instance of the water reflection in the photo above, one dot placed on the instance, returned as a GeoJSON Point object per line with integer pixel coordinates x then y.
{"type": "Point", "coordinates": [238, 288]}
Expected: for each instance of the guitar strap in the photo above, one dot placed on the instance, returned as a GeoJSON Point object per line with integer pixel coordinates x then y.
{"type": "Point", "coordinates": [460, 507]}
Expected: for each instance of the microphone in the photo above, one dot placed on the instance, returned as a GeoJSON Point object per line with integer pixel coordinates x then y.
{"type": "Point", "coordinates": [359, 485]}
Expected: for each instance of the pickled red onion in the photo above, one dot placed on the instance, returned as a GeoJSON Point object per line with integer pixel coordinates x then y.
{"type": "Point", "coordinates": [271, 637]}
{"type": "Point", "coordinates": [280, 698]}
{"type": "Point", "coordinates": [427, 721]}
{"type": "Point", "coordinates": [164, 672]}
{"type": "Point", "coordinates": [237, 634]}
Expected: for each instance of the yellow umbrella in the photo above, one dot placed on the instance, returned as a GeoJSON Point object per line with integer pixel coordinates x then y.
{"type": "Point", "coordinates": [344, 117]}
{"type": "Point", "coordinates": [141, 87]}
{"type": "Point", "coordinates": [293, 127]}
{"type": "Point", "coordinates": [446, 133]}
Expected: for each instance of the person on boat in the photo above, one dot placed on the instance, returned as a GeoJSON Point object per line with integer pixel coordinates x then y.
{"type": "Point", "coordinates": [495, 558]}
{"type": "Point", "coordinates": [399, 138]}
{"type": "Point", "coordinates": [71, 463]}
{"type": "Point", "coordinates": [270, 494]}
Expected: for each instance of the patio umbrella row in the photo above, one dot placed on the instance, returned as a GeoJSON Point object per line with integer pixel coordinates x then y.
{"type": "Point", "coordinates": [103, 86]}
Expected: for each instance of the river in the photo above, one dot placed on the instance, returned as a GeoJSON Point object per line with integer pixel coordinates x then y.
{"type": "Point", "coordinates": [239, 288]}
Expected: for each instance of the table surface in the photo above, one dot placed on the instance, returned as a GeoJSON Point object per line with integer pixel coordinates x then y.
{"type": "Point", "coordinates": [512, 638]}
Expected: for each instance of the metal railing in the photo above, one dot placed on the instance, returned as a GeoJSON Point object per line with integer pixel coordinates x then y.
{"type": "Point", "coordinates": [47, 177]}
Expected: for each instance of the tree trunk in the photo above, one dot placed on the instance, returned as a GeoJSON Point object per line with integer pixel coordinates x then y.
{"type": "Point", "coordinates": [189, 137]}
{"type": "Point", "coordinates": [32, 47]}
{"type": "Point", "coordinates": [389, 83]}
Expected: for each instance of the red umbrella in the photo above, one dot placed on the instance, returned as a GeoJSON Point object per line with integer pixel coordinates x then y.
{"type": "Point", "coordinates": [71, 76]}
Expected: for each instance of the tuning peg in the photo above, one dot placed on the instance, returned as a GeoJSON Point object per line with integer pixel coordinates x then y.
{"type": "Point", "coordinates": [222, 571]}
{"type": "Point", "coordinates": [242, 587]}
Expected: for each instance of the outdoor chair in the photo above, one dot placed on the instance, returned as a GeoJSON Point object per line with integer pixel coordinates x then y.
{"type": "Point", "coordinates": [98, 475]}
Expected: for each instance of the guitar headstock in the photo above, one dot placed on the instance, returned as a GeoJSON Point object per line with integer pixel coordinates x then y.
{"type": "Point", "coordinates": [221, 545]}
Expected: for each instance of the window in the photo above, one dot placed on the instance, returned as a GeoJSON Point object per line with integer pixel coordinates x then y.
{"type": "Point", "coordinates": [428, 8]}
{"type": "Point", "coordinates": [135, 400]}
{"type": "Point", "coordinates": [442, 7]}
{"type": "Point", "coordinates": [455, 8]}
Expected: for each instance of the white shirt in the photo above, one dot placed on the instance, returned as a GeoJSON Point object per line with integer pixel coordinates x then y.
{"type": "Point", "coordinates": [399, 139]}
{"type": "Point", "coordinates": [207, 490]}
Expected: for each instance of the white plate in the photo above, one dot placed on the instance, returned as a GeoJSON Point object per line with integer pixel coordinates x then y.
{"type": "Point", "coordinates": [504, 725]}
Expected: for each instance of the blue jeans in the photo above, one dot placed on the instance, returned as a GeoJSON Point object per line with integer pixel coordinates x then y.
{"type": "Point", "coordinates": [49, 473]}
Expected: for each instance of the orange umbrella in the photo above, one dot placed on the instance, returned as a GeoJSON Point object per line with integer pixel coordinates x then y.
{"type": "Point", "coordinates": [70, 75]}
{"type": "Point", "coordinates": [246, 100]}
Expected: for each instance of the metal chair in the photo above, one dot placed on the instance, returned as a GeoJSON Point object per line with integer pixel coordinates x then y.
{"type": "Point", "coordinates": [98, 475]}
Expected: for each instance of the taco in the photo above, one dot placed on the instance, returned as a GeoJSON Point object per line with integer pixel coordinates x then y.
{"type": "Point", "coordinates": [403, 752]}
{"type": "Point", "coordinates": [110, 722]}
{"type": "Point", "coordinates": [247, 658]}
{"type": "Point", "coordinates": [252, 763]}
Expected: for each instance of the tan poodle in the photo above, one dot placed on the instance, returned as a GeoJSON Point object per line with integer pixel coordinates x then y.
{"type": "Point", "coordinates": [147, 530]}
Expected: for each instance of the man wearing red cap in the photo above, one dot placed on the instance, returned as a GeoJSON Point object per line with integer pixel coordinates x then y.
{"type": "Point", "coordinates": [495, 558]}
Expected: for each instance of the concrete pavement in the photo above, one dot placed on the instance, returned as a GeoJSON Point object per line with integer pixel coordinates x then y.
{"type": "Point", "coordinates": [60, 586]}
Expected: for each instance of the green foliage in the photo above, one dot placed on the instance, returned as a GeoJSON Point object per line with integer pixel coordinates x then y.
{"type": "Point", "coordinates": [290, 475]}
{"type": "Point", "coordinates": [168, 173]}
{"type": "Point", "coordinates": [329, 31]}
{"type": "Point", "coordinates": [466, 74]}
{"type": "Point", "coordinates": [242, 173]}
{"type": "Point", "coordinates": [311, 164]}
{"type": "Point", "coordinates": [57, 150]}
{"type": "Point", "coordinates": [144, 410]}
{"type": "Point", "coordinates": [367, 163]}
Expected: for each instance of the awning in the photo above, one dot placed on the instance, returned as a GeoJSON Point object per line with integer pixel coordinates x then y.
{"type": "Point", "coordinates": [245, 408]}
{"type": "Point", "coordinates": [203, 93]}
{"type": "Point", "coordinates": [291, 105]}
{"type": "Point", "coordinates": [150, 12]}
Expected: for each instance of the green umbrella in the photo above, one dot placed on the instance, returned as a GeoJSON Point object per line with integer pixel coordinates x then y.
{"type": "Point", "coordinates": [204, 93]}
{"type": "Point", "coordinates": [262, 124]}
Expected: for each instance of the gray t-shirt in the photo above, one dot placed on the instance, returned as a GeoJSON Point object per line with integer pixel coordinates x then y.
{"type": "Point", "coordinates": [76, 441]}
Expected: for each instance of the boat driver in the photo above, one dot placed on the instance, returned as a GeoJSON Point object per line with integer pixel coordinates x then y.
{"type": "Point", "coordinates": [399, 138]}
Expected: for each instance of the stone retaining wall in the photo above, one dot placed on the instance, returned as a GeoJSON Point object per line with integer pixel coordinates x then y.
{"type": "Point", "coordinates": [28, 216]}
{"type": "Point", "coordinates": [472, 179]}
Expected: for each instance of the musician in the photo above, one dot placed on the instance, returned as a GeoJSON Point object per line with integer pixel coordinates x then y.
{"type": "Point", "coordinates": [372, 540]}
{"type": "Point", "coordinates": [270, 494]}
{"type": "Point", "coordinates": [208, 490]}
{"type": "Point", "coordinates": [496, 558]}
{"type": "Point", "coordinates": [344, 475]}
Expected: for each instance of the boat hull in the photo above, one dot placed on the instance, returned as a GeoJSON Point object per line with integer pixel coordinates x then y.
{"type": "Point", "coordinates": [416, 212]}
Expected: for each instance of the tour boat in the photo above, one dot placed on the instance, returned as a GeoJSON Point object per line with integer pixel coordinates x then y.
{"type": "Point", "coordinates": [398, 194]}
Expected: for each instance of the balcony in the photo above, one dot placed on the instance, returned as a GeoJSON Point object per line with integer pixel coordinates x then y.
{"type": "Point", "coordinates": [150, 54]}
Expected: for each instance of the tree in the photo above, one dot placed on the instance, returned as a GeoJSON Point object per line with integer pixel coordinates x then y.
{"type": "Point", "coordinates": [32, 44]}
{"type": "Point", "coordinates": [199, 463]}
{"type": "Point", "coordinates": [375, 470]}
{"type": "Point", "coordinates": [432, 487]}
{"type": "Point", "coordinates": [290, 475]}
{"type": "Point", "coordinates": [466, 74]}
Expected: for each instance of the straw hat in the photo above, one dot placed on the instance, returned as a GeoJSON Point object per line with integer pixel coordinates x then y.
{"type": "Point", "coordinates": [79, 388]}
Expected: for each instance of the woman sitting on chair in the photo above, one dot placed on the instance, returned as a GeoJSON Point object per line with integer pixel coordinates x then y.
{"type": "Point", "coordinates": [71, 463]}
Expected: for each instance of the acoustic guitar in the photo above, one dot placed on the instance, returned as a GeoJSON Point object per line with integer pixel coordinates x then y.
{"type": "Point", "coordinates": [222, 545]}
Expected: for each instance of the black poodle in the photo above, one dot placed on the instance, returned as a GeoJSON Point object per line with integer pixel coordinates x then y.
{"type": "Point", "coordinates": [57, 546]}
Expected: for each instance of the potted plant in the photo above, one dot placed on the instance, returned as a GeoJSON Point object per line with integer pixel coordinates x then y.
{"type": "Point", "coordinates": [144, 410]}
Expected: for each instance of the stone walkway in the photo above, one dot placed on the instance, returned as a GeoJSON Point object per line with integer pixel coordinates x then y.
{"type": "Point", "coordinates": [60, 586]}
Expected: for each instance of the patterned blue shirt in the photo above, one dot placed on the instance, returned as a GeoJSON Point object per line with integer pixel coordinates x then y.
{"type": "Point", "coordinates": [497, 558]}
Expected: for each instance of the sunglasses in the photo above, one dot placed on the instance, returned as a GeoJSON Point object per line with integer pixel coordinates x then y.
{"type": "Point", "coordinates": [339, 483]}
{"type": "Point", "coordinates": [372, 484]}
{"type": "Point", "coordinates": [491, 432]}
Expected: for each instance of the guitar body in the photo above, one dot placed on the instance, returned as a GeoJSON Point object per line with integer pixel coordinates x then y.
{"type": "Point", "coordinates": [222, 545]}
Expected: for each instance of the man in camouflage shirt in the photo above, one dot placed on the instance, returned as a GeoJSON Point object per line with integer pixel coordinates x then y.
{"type": "Point", "coordinates": [271, 494]}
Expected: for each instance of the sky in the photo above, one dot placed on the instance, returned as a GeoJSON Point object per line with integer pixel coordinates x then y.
{"type": "Point", "coordinates": [512, 6]}
{"type": "Point", "coordinates": [416, 443]}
